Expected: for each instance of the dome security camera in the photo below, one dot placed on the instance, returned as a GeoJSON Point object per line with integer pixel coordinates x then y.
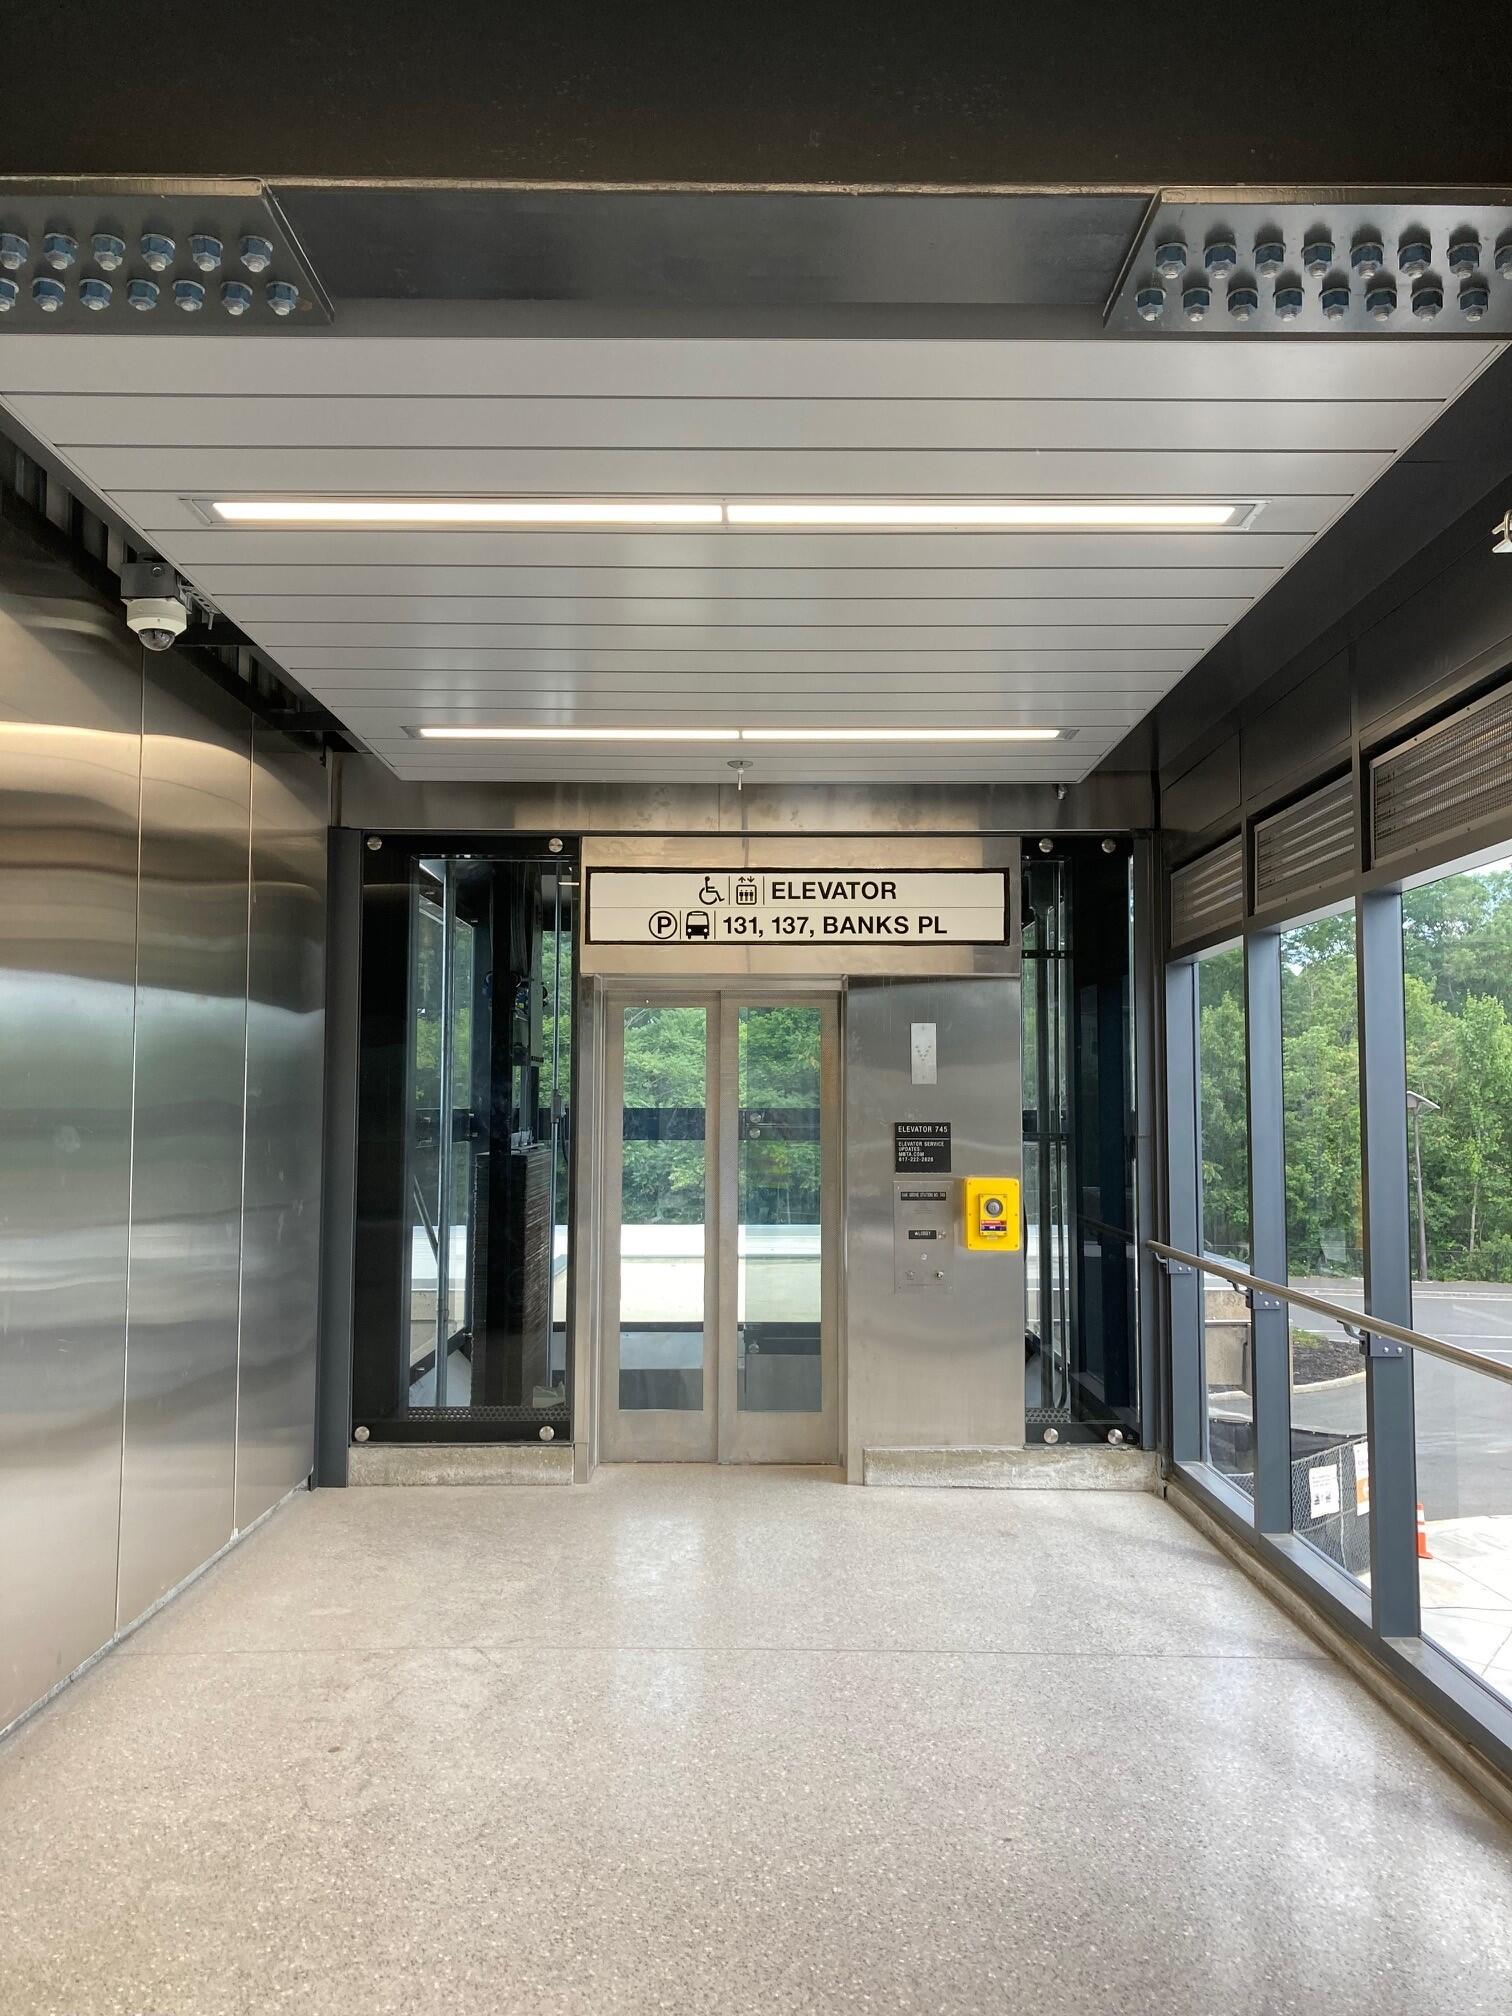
{"type": "Point", "coordinates": [157, 604]}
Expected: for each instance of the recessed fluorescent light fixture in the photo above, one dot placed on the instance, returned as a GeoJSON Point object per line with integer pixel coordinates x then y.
{"type": "Point", "coordinates": [964, 514]}
{"type": "Point", "coordinates": [448, 734]}
{"type": "Point", "coordinates": [460, 512]}
{"type": "Point", "coordinates": [577, 734]}
{"type": "Point", "coordinates": [971, 514]}
{"type": "Point", "coordinates": [901, 734]}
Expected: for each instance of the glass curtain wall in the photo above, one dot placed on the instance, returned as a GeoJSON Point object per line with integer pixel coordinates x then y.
{"type": "Point", "coordinates": [1223, 1149]}
{"type": "Point", "coordinates": [1457, 955]}
{"type": "Point", "coordinates": [1270, 1032]}
{"type": "Point", "coordinates": [1081, 1350]}
{"type": "Point", "coordinates": [464, 1145]}
{"type": "Point", "coordinates": [1320, 1077]}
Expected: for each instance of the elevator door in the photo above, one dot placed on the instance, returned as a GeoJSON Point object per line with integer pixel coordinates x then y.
{"type": "Point", "coordinates": [721, 1229]}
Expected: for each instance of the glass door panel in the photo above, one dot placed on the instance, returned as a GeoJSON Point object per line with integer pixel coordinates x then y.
{"type": "Point", "coordinates": [721, 1310]}
{"type": "Point", "coordinates": [779, 1304]}
{"type": "Point", "coordinates": [661, 1109]}
{"type": "Point", "coordinates": [663, 1205]}
{"type": "Point", "coordinates": [779, 1189]}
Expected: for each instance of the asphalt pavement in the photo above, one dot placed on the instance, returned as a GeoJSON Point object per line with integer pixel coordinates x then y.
{"type": "Point", "coordinates": [1464, 1420]}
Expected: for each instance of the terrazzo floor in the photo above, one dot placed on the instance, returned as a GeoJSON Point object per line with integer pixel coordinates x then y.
{"type": "Point", "coordinates": [700, 1740]}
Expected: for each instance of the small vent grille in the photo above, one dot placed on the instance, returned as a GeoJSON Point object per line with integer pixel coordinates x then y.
{"type": "Point", "coordinates": [1307, 849]}
{"type": "Point", "coordinates": [1450, 781]}
{"type": "Point", "coordinates": [1207, 895]}
{"type": "Point", "coordinates": [529, 1417]}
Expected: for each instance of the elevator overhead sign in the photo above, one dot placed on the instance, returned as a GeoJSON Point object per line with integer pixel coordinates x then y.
{"type": "Point", "coordinates": [798, 906]}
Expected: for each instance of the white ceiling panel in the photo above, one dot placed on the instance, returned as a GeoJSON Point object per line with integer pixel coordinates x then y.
{"type": "Point", "coordinates": [718, 554]}
{"type": "Point", "coordinates": [1155, 619]}
{"type": "Point", "coordinates": [395, 628]}
{"type": "Point", "coordinates": [1098, 423]}
{"type": "Point", "coordinates": [749, 665]}
{"type": "Point", "coordinates": [380, 469]}
{"type": "Point", "coordinates": [356, 358]}
{"type": "Point", "coordinates": [1066, 641]}
{"type": "Point", "coordinates": [1225, 591]}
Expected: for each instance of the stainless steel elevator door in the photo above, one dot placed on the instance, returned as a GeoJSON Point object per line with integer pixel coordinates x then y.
{"type": "Point", "coordinates": [721, 1229]}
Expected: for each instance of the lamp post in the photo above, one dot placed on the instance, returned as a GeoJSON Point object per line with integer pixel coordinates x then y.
{"type": "Point", "coordinates": [1418, 1103]}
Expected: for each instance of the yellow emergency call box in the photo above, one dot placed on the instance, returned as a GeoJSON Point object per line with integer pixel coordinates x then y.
{"type": "Point", "coordinates": [994, 1222]}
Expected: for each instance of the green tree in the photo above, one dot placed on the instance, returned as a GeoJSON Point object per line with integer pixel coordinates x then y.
{"type": "Point", "coordinates": [1321, 1097]}
{"type": "Point", "coordinates": [1223, 1094]}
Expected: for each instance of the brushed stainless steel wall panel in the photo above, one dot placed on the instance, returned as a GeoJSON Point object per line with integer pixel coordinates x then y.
{"type": "Point", "coordinates": [285, 1073]}
{"type": "Point", "coordinates": [179, 1454]}
{"type": "Point", "coordinates": [70, 719]}
{"type": "Point", "coordinates": [936, 1367]}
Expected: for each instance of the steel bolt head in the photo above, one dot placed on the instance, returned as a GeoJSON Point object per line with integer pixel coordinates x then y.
{"type": "Point", "coordinates": [142, 295]}
{"type": "Point", "coordinates": [1220, 255]}
{"type": "Point", "coordinates": [282, 296]}
{"type": "Point", "coordinates": [1150, 303]}
{"type": "Point", "coordinates": [1503, 259]}
{"type": "Point", "coordinates": [9, 293]}
{"type": "Point", "coordinates": [1334, 302]}
{"type": "Point", "coordinates": [1414, 257]}
{"type": "Point", "coordinates": [236, 296]}
{"type": "Point", "coordinates": [1381, 300]}
{"type": "Point", "coordinates": [95, 294]}
{"type": "Point", "coordinates": [14, 251]}
{"type": "Point", "coordinates": [158, 252]}
{"type": "Point", "coordinates": [256, 254]}
{"type": "Point", "coordinates": [60, 250]}
{"type": "Point", "coordinates": [1474, 298]}
{"type": "Point", "coordinates": [1427, 299]}
{"type": "Point", "coordinates": [107, 250]}
{"type": "Point", "coordinates": [1270, 256]}
{"type": "Point", "coordinates": [1196, 301]}
{"type": "Point", "coordinates": [1171, 258]}
{"type": "Point", "coordinates": [1367, 256]}
{"type": "Point", "coordinates": [1318, 256]}
{"type": "Point", "coordinates": [1464, 256]}
{"type": "Point", "coordinates": [205, 251]}
{"type": "Point", "coordinates": [48, 294]}
{"type": "Point", "coordinates": [189, 295]}
{"type": "Point", "coordinates": [1289, 300]}
{"type": "Point", "coordinates": [1243, 301]}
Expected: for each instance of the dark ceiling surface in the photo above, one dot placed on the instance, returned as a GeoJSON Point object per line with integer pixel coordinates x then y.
{"type": "Point", "coordinates": [789, 92]}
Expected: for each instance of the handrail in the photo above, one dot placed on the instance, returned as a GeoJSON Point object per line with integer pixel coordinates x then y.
{"type": "Point", "coordinates": [1352, 1319]}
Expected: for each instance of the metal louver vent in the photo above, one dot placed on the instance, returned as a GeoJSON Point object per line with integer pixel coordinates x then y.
{"type": "Point", "coordinates": [1207, 895]}
{"type": "Point", "coordinates": [1306, 849]}
{"type": "Point", "coordinates": [1451, 781]}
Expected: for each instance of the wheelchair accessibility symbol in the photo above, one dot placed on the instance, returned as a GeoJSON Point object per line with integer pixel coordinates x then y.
{"type": "Point", "coordinates": [663, 924]}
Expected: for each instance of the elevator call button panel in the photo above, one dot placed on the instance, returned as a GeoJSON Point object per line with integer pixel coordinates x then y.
{"type": "Point", "coordinates": [993, 1218]}
{"type": "Point", "coordinates": [923, 1235]}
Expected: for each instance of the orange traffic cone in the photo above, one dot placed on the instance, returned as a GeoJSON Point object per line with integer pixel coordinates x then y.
{"type": "Point", "coordinates": [1422, 1535]}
